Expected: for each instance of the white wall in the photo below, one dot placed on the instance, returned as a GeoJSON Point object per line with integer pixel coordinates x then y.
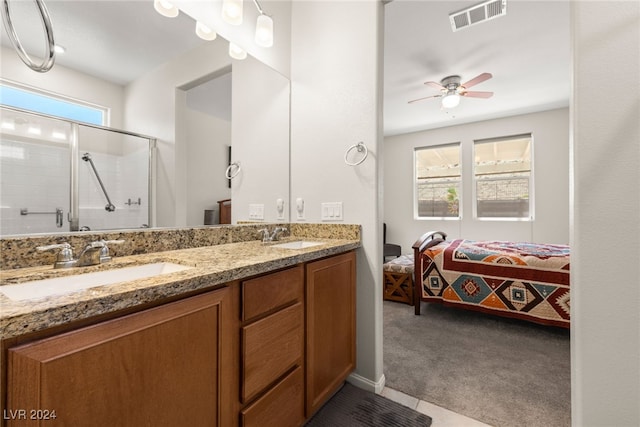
{"type": "Point", "coordinates": [550, 130]}
{"type": "Point", "coordinates": [208, 138]}
{"type": "Point", "coordinates": [336, 55]}
{"type": "Point", "coordinates": [67, 82]}
{"type": "Point", "coordinates": [260, 134]}
{"type": "Point", "coordinates": [605, 240]}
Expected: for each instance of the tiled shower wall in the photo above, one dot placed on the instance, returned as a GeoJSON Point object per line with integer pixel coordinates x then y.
{"type": "Point", "coordinates": [36, 176]}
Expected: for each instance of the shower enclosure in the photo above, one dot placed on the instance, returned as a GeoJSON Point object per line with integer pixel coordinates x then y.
{"type": "Point", "coordinates": [61, 175]}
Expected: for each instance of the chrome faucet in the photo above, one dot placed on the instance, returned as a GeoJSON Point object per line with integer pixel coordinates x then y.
{"type": "Point", "coordinates": [91, 254]}
{"type": "Point", "coordinates": [65, 256]}
{"type": "Point", "coordinates": [273, 236]}
{"type": "Point", "coordinates": [94, 253]}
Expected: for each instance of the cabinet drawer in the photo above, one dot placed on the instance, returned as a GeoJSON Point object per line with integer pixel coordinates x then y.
{"type": "Point", "coordinates": [282, 406]}
{"type": "Point", "coordinates": [270, 347]}
{"type": "Point", "coordinates": [268, 292]}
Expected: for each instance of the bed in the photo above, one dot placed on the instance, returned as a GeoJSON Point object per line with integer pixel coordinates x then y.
{"type": "Point", "coordinates": [526, 281]}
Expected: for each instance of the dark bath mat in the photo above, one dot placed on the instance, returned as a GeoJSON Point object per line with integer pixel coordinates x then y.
{"type": "Point", "coordinates": [352, 406]}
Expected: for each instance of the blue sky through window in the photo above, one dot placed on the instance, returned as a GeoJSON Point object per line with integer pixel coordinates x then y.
{"type": "Point", "coordinates": [32, 101]}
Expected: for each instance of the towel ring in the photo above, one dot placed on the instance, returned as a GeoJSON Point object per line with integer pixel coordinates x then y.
{"type": "Point", "coordinates": [50, 56]}
{"type": "Point", "coordinates": [361, 148]}
{"type": "Point", "coordinates": [228, 173]}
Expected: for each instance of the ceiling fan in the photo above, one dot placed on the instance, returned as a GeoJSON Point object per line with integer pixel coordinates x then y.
{"type": "Point", "coordinates": [451, 90]}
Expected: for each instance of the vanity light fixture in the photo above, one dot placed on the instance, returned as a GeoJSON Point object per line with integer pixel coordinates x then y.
{"type": "Point", "coordinates": [204, 32]}
{"type": "Point", "coordinates": [166, 8]}
{"type": "Point", "coordinates": [231, 14]}
{"type": "Point", "coordinates": [264, 31]}
{"type": "Point", "coordinates": [232, 11]}
{"type": "Point", "coordinates": [451, 99]}
{"type": "Point", "coordinates": [236, 51]}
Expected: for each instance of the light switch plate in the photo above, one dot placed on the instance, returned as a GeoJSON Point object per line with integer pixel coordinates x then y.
{"type": "Point", "coordinates": [256, 211]}
{"type": "Point", "coordinates": [331, 211]}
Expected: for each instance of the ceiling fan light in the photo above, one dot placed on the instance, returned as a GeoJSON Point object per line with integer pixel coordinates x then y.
{"type": "Point", "coordinates": [450, 100]}
{"type": "Point", "coordinates": [264, 31]}
{"type": "Point", "coordinates": [166, 8]}
{"type": "Point", "coordinates": [236, 51]}
{"type": "Point", "coordinates": [232, 11]}
{"type": "Point", "coordinates": [204, 32]}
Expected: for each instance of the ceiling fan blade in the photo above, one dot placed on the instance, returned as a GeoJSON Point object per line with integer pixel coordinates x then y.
{"type": "Point", "coordinates": [478, 79]}
{"type": "Point", "coordinates": [476, 94]}
{"type": "Point", "coordinates": [426, 97]}
{"type": "Point", "coordinates": [436, 85]}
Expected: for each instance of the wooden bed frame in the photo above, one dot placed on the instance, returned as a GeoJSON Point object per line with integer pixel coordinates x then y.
{"type": "Point", "coordinates": [427, 240]}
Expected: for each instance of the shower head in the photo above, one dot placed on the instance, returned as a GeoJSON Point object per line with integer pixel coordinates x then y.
{"type": "Point", "coordinates": [86, 157]}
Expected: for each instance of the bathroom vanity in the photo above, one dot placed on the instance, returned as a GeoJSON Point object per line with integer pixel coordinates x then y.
{"type": "Point", "coordinates": [249, 335]}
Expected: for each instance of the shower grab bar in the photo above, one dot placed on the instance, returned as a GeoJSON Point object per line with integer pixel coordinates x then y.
{"type": "Point", "coordinates": [57, 213]}
{"type": "Point", "coordinates": [109, 207]}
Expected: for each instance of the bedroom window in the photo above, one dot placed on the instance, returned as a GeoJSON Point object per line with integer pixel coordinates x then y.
{"type": "Point", "coordinates": [437, 181]}
{"type": "Point", "coordinates": [19, 96]}
{"type": "Point", "coordinates": [502, 173]}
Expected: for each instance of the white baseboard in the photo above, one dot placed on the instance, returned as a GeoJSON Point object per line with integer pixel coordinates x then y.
{"type": "Point", "coordinates": [366, 384]}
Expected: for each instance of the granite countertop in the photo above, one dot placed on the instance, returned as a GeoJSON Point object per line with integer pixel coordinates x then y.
{"type": "Point", "coordinates": [212, 267]}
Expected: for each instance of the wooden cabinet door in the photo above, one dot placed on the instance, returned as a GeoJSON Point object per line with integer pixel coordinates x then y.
{"type": "Point", "coordinates": [330, 326]}
{"type": "Point", "coordinates": [281, 406]}
{"type": "Point", "coordinates": [159, 367]}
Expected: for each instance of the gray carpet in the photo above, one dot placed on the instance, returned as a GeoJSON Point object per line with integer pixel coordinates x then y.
{"type": "Point", "coordinates": [503, 372]}
{"type": "Point", "coordinates": [354, 407]}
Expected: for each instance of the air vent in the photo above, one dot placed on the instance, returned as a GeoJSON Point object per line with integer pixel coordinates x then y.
{"type": "Point", "coordinates": [478, 13]}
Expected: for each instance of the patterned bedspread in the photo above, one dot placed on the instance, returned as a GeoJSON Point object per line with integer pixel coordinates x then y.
{"type": "Point", "coordinates": [522, 280]}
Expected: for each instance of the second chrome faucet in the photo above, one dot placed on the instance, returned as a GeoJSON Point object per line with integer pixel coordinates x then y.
{"type": "Point", "coordinates": [271, 236]}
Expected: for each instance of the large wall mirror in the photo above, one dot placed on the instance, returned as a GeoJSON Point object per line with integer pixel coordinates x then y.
{"type": "Point", "coordinates": [157, 78]}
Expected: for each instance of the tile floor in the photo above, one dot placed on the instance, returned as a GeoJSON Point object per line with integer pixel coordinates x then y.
{"type": "Point", "coordinates": [441, 417]}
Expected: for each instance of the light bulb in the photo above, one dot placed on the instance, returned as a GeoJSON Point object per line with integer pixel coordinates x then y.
{"type": "Point", "coordinates": [58, 134]}
{"type": "Point", "coordinates": [204, 32]}
{"type": "Point", "coordinates": [264, 31]}
{"type": "Point", "coordinates": [9, 125]}
{"type": "Point", "coordinates": [232, 11]}
{"type": "Point", "coordinates": [450, 100]}
{"type": "Point", "coordinates": [236, 51]}
{"type": "Point", "coordinates": [165, 8]}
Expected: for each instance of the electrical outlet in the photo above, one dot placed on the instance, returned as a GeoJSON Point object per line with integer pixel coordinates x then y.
{"type": "Point", "coordinates": [280, 209]}
{"type": "Point", "coordinates": [300, 208]}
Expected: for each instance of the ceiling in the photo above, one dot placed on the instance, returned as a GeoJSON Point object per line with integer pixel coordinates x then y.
{"type": "Point", "coordinates": [527, 51]}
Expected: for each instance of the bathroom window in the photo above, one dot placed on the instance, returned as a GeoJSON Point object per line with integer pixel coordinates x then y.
{"type": "Point", "coordinates": [18, 96]}
{"type": "Point", "coordinates": [502, 173]}
{"type": "Point", "coordinates": [437, 181]}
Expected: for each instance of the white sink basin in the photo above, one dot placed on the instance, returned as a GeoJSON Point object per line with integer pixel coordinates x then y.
{"type": "Point", "coordinates": [300, 244]}
{"type": "Point", "coordinates": [62, 285]}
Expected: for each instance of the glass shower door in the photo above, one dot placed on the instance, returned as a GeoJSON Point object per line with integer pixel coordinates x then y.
{"type": "Point", "coordinates": [113, 179]}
